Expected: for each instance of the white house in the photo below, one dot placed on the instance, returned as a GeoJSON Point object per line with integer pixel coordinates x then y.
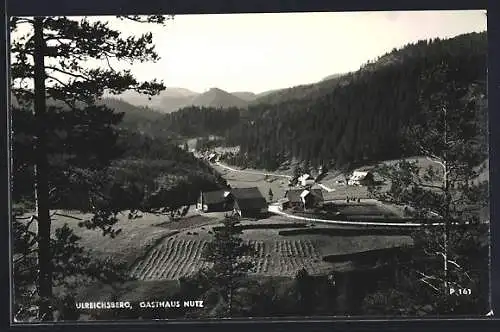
{"type": "Point", "coordinates": [306, 180]}
{"type": "Point", "coordinates": [304, 198]}
{"type": "Point", "coordinates": [212, 157]}
{"type": "Point", "coordinates": [359, 178]}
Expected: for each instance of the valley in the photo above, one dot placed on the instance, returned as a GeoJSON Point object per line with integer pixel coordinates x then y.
{"type": "Point", "coordinates": [355, 176]}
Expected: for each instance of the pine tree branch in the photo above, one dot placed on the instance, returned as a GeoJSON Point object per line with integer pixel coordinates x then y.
{"type": "Point", "coordinates": [23, 257]}
{"type": "Point", "coordinates": [109, 64]}
{"type": "Point", "coordinates": [433, 158]}
{"type": "Point", "coordinates": [59, 38]}
{"type": "Point", "coordinates": [159, 19]}
{"type": "Point", "coordinates": [75, 75]}
{"type": "Point", "coordinates": [58, 81]}
{"type": "Point", "coordinates": [67, 216]}
{"type": "Point", "coordinates": [429, 284]}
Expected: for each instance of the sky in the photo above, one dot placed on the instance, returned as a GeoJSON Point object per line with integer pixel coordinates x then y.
{"type": "Point", "coordinates": [260, 52]}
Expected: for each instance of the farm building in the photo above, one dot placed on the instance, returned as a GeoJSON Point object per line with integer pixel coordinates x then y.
{"type": "Point", "coordinates": [213, 201]}
{"type": "Point", "coordinates": [248, 202]}
{"type": "Point", "coordinates": [305, 198]}
{"type": "Point", "coordinates": [306, 180]}
{"type": "Point", "coordinates": [283, 203]}
{"type": "Point", "coordinates": [212, 157]}
{"type": "Point", "coordinates": [361, 178]}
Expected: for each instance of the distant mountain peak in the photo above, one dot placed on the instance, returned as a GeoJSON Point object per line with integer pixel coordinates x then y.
{"type": "Point", "coordinates": [245, 95]}
{"type": "Point", "coordinates": [216, 97]}
{"type": "Point", "coordinates": [215, 89]}
{"type": "Point", "coordinates": [177, 92]}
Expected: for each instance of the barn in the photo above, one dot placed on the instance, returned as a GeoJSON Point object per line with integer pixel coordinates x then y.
{"type": "Point", "coordinates": [248, 202]}
{"type": "Point", "coordinates": [361, 178]}
{"type": "Point", "coordinates": [214, 201]}
{"type": "Point", "coordinates": [305, 198]}
{"type": "Point", "coordinates": [283, 204]}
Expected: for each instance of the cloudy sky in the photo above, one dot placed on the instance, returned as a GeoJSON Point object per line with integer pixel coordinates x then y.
{"type": "Point", "coordinates": [259, 52]}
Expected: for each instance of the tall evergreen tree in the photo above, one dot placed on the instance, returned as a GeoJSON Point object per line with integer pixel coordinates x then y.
{"type": "Point", "coordinates": [51, 61]}
{"type": "Point", "coordinates": [304, 285]}
{"type": "Point", "coordinates": [451, 132]}
{"type": "Point", "coordinates": [229, 256]}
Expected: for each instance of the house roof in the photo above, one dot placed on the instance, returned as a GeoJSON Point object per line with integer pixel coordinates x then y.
{"type": "Point", "coordinates": [359, 175]}
{"type": "Point", "coordinates": [304, 177]}
{"type": "Point", "coordinates": [316, 192]}
{"type": "Point", "coordinates": [294, 195]}
{"type": "Point", "coordinates": [249, 198]}
{"type": "Point", "coordinates": [213, 197]}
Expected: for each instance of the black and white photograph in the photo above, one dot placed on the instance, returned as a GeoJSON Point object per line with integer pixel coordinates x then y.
{"type": "Point", "coordinates": [264, 165]}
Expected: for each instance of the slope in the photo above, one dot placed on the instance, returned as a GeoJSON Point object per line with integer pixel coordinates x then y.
{"type": "Point", "coordinates": [245, 95]}
{"type": "Point", "coordinates": [218, 98]}
{"type": "Point", "coordinates": [301, 91]}
{"type": "Point", "coordinates": [167, 101]}
{"type": "Point", "coordinates": [133, 115]}
{"type": "Point", "coordinates": [358, 117]}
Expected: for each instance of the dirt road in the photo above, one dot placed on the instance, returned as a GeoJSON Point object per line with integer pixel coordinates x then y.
{"type": "Point", "coordinates": [267, 174]}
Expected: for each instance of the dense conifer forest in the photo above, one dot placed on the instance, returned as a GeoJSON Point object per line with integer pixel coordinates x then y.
{"type": "Point", "coordinates": [353, 119]}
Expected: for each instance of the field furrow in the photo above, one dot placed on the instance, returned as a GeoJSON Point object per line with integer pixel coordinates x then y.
{"type": "Point", "coordinates": [179, 254]}
{"type": "Point", "coordinates": [168, 247]}
{"type": "Point", "coordinates": [179, 257]}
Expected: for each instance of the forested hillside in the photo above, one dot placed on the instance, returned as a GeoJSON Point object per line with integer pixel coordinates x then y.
{"type": "Point", "coordinates": [134, 117]}
{"type": "Point", "coordinates": [197, 121]}
{"type": "Point", "coordinates": [95, 148]}
{"type": "Point", "coordinates": [363, 118]}
{"type": "Point", "coordinates": [302, 91]}
{"type": "Point", "coordinates": [153, 173]}
{"type": "Point", "coordinates": [351, 118]}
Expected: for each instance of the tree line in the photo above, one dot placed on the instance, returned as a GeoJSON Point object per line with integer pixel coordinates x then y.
{"type": "Point", "coordinates": [355, 119]}
{"type": "Point", "coordinates": [197, 121]}
{"type": "Point", "coordinates": [364, 120]}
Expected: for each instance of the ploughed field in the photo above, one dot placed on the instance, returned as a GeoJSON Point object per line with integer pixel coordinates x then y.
{"type": "Point", "coordinates": [157, 249]}
{"type": "Point", "coordinates": [275, 252]}
{"type": "Point", "coordinates": [177, 258]}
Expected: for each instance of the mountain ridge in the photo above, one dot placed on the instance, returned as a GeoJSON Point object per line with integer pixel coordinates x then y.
{"type": "Point", "coordinates": [218, 98]}
{"type": "Point", "coordinates": [174, 98]}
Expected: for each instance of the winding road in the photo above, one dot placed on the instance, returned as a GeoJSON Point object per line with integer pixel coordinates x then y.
{"type": "Point", "coordinates": [274, 208]}
{"type": "Point", "coordinates": [267, 174]}
{"type": "Point", "coordinates": [251, 172]}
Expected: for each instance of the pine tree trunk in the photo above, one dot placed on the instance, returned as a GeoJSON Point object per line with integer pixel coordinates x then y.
{"type": "Point", "coordinates": [230, 297]}
{"type": "Point", "coordinates": [447, 207]}
{"type": "Point", "coordinates": [446, 236]}
{"type": "Point", "coordinates": [41, 177]}
{"type": "Point", "coordinates": [230, 302]}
